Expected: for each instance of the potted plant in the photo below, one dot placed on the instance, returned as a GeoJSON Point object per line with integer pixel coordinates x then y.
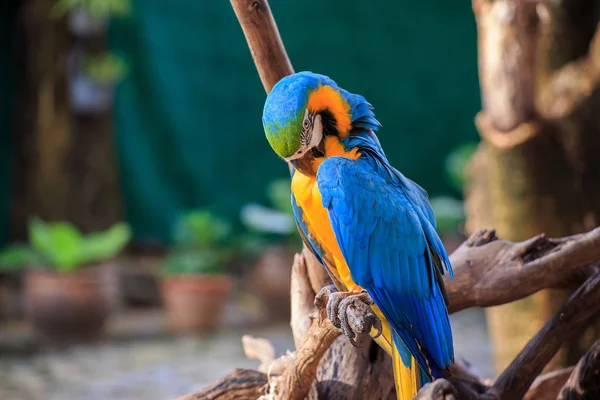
{"type": "Point", "coordinates": [270, 276]}
{"type": "Point", "coordinates": [70, 284]}
{"type": "Point", "coordinates": [88, 18]}
{"type": "Point", "coordinates": [93, 79]}
{"type": "Point", "coordinates": [195, 283]}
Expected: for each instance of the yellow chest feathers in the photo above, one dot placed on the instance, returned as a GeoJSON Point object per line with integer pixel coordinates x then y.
{"type": "Point", "coordinates": [316, 218]}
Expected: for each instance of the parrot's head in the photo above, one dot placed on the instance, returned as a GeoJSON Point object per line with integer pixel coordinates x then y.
{"type": "Point", "coordinates": [303, 110]}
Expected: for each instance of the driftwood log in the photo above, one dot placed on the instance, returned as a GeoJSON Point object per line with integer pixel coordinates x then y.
{"type": "Point", "coordinates": [488, 271]}
{"type": "Point", "coordinates": [484, 264]}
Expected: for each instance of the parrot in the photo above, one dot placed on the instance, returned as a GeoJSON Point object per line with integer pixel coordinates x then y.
{"type": "Point", "coordinates": [372, 228]}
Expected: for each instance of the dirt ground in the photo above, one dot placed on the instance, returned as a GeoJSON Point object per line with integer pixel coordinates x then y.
{"type": "Point", "coordinates": [140, 360]}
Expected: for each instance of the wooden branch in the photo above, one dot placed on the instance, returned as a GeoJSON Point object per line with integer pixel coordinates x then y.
{"type": "Point", "coordinates": [516, 381]}
{"type": "Point", "coordinates": [302, 299]}
{"type": "Point", "coordinates": [298, 378]}
{"type": "Point", "coordinates": [517, 378]}
{"type": "Point", "coordinates": [263, 38]}
{"type": "Point", "coordinates": [240, 384]}
{"type": "Point", "coordinates": [584, 382]}
{"type": "Point", "coordinates": [572, 84]}
{"type": "Point", "coordinates": [548, 386]}
{"type": "Point", "coordinates": [489, 271]}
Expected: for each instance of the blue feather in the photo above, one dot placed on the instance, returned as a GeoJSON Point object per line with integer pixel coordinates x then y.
{"type": "Point", "coordinates": [389, 257]}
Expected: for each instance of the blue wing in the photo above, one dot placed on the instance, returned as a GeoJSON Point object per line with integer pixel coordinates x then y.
{"type": "Point", "coordinates": [385, 230]}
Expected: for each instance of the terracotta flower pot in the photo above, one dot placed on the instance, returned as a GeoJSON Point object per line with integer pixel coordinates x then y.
{"type": "Point", "coordinates": [195, 303]}
{"type": "Point", "coordinates": [72, 306]}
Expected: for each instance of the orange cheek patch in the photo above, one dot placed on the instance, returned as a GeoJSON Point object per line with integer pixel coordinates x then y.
{"type": "Point", "coordinates": [333, 147]}
{"type": "Point", "coordinates": [326, 97]}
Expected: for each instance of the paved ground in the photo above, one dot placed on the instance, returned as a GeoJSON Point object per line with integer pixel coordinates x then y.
{"type": "Point", "coordinates": [152, 365]}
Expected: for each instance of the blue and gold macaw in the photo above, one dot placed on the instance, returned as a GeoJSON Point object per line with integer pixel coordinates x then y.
{"type": "Point", "coordinates": [372, 228]}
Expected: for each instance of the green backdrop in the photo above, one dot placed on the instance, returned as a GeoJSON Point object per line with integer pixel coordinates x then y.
{"type": "Point", "coordinates": [7, 101]}
{"type": "Point", "coordinates": [188, 116]}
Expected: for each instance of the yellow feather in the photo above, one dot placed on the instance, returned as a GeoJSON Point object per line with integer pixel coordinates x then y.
{"type": "Point", "coordinates": [315, 216]}
{"type": "Point", "coordinates": [326, 97]}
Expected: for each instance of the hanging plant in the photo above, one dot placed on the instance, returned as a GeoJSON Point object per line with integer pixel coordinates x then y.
{"type": "Point", "coordinates": [90, 17]}
{"type": "Point", "coordinates": [93, 82]}
{"type": "Point", "coordinates": [97, 9]}
{"type": "Point", "coordinates": [104, 69]}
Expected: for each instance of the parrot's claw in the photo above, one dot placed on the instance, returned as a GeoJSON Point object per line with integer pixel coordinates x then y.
{"type": "Point", "coordinates": [322, 298]}
{"type": "Point", "coordinates": [358, 320]}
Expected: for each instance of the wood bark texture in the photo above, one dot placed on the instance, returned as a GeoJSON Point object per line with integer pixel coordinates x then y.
{"type": "Point", "coordinates": [535, 170]}
{"type": "Point", "coordinates": [315, 370]}
{"type": "Point", "coordinates": [66, 167]}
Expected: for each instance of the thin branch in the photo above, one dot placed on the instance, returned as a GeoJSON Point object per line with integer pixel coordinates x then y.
{"type": "Point", "coordinates": [548, 386]}
{"type": "Point", "coordinates": [299, 376]}
{"type": "Point", "coordinates": [584, 382]}
{"type": "Point", "coordinates": [572, 84]}
{"type": "Point", "coordinates": [518, 376]}
{"type": "Point", "coordinates": [489, 271]}
{"type": "Point", "coordinates": [240, 384]}
{"type": "Point", "coordinates": [263, 39]}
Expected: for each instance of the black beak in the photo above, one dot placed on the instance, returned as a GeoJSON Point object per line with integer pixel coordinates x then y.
{"type": "Point", "coordinates": [306, 164]}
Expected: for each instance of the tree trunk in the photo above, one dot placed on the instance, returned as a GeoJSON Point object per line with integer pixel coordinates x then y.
{"type": "Point", "coordinates": [537, 168]}
{"type": "Point", "coordinates": [65, 168]}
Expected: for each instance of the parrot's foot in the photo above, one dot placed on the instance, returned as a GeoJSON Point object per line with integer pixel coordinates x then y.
{"type": "Point", "coordinates": [349, 311]}
{"type": "Point", "coordinates": [322, 298]}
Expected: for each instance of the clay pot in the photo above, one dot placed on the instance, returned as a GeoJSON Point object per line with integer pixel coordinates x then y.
{"type": "Point", "coordinates": [195, 303]}
{"type": "Point", "coordinates": [270, 281]}
{"type": "Point", "coordinates": [72, 306]}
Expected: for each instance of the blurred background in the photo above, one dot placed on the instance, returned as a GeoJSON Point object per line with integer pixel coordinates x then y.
{"type": "Point", "coordinates": [144, 219]}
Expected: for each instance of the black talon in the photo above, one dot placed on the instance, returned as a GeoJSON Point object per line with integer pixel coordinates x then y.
{"type": "Point", "coordinates": [324, 295]}
{"type": "Point", "coordinates": [377, 325]}
{"type": "Point", "coordinates": [353, 342]}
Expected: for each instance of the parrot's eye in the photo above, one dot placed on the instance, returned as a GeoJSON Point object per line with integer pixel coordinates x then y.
{"type": "Point", "coordinates": [307, 124]}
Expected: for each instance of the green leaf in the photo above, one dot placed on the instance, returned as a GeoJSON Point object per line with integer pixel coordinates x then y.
{"type": "Point", "coordinates": [18, 256]}
{"type": "Point", "coordinates": [200, 229]}
{"type": "Point", "coordinates": [100, 246]}
{"type": "Point", "coordinates": [279, 193]}
{"type": "Point", "coordinates": [61, 7]}
{"type": "Point", "coordinates": [193, 262]}
{"type": "Point", "coordinates": [105, 69]}
{"type": "Point", "coordinates": [60, 243]}
{"type": "Point", "coordinates": [456, 163]}
{"type": "Point", "coordinates": [449, 213]}
{"type": "Point", "coordinates": [98, 9]}
{"type": "Point", "coordinates": [63, 247]}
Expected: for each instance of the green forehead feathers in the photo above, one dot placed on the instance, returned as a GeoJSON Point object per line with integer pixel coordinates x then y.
{"type": "Point", "coordinates": [284, 137]}
{"type": "Point", "coordinates": [284, 110]}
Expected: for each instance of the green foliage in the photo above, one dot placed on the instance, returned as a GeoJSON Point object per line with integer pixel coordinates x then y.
{"type": "Point", "coordinates": [190, 261]}
{"type": "Point", "coordinates": [62, 246]}
{"type": "Point", "coordinates": [449, 213]}
{"type": "Point", "coordinates": [279, 194]}
{"type": "Point", "coordinates": [105, 69]}
{"type": "Point", "coordinates": [98, 9]}
{"type": "Point", "coordinates": [203, 244]}
{"type": "Point", "coordinates": [17, 256]}
{"type": "Point", "coordinates": [456, 162]}
{"type": "Point", "coordinates": [200, 229]}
